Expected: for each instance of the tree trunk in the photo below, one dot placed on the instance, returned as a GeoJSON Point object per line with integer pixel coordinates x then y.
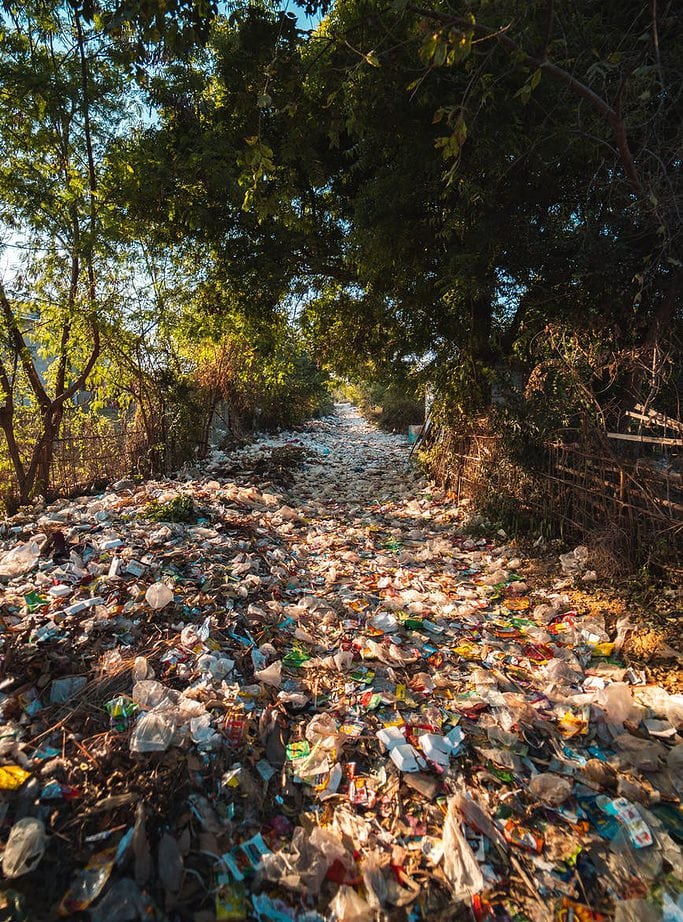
{"type": "Point", "coordinates": [37, 480]}
{"type": "Point", "coordinates": [480, 349]}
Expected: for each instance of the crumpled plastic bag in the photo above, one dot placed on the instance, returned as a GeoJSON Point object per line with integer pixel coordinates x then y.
{"type": "Point", "coordinates": [322, 730]}
{"type": "Point", "coordinates": [271, 675]}
{"type": "Point", "coordinates": [20, 560]}
{"type": "Point", "coordinates": [123, 902]}
{"type": "Point", "coordinates": [25, 847]}
{"type": "Point", "coordinates": [158, 595]}
{"type": "Point", "coordinates": [617, 702]}
{"type": "Point", "coordinates": [304, 862]}
{"type": "Point", "coordinates": [348, 906]}
{"type": "Point", "coordinates": [459, 863]}
{"type": "Point", "coordinates": [550, 788]}
{"type": "Point", "coordinates": [575, 560]}
{"type": "Point", "coordinates": [643, 755]}
{"type": "Point", "coordinates": [374, 882]}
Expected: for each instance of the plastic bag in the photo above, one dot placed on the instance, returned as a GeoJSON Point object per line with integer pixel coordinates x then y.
{"type": "Point", "coordinates": [617, 702]}
{"type": "Point", "coordinates": [152, 733]}
{"type": "Point", "coordinates": [25, 847]}
{"type": "Point", "coordinates": [150, 694]}
{"type": "Point", "coordinates": [459, 864]}
{"type": "Point", "coordinates": [123, 902]}
{"type": "Point", "coordinates": [348, 906]}
{"type": "Point", "coordinates": [141, 669]}
{"type": "Point", "coordinates": [322, 730]}
{"type": "Point", "coordinates": [158, 596]}
{"type": "Point", "coordinates": [20, 560]}
{"type": "Point", "coordinates": [271, 675]}
{"type": "Point", "coordinates": [643, 755]}
{"type": "Point", "coordinates": [374, 882]}
{"type": "Point", "coordinates": [550, 788]}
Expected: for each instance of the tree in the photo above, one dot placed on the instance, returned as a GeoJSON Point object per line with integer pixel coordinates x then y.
{"type": "Point", "coordinates": [61, 99]}
{"type": "Point", "coordinates": [551, 194]}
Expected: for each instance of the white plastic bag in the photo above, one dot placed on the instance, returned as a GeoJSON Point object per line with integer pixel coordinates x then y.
{"type": "Point", "coordinates": [20, 559]}
{"type": "Point", "coordinates": [459, 864]}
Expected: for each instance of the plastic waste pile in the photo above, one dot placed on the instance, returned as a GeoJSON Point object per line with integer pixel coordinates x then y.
{"type": "Point", "coordinates": [291, 687]}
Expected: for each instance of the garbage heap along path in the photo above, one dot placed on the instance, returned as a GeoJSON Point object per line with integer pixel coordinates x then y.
{"type": "Point", "coordinates": [290, 687]}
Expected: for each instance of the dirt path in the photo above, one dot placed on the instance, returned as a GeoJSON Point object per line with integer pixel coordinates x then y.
{"type": "Point", "coordinates": [295, 689]}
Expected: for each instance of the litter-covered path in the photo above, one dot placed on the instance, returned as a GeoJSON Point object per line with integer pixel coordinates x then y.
{"type": "Point", "coordinates": [289, 686]}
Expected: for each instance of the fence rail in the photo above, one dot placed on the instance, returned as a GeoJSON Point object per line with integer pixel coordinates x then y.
{"type": "Point", "coordinates": [584, 490]}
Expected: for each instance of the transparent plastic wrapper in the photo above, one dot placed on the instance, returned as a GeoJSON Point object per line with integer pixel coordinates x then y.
{"type": "Point", "coordinates": [25, 847]}
{"type": "Point", "coordinates": [478, 818]}
{"type": "Point", "coordinates": [459, 863]}
{"type": "Point", "coordinates": [349, 906]}
{"type": "Point", "coordinates": [303, 863]}
{"type": "Point", "coordinates": [575, 560]}
{"type": "Point", "coordinates": [150, 694]}
{"type": "Point", "coordinates": [623, 627]}
{"type": "Point", "coordinates": [550, 788]}
{"type": "Point", "coordinates": [62, 690]}
{"type": "Point", "coordinates": [203, 734]}
{"type": "Point", "coordinates": [153, 732]}
{"type": "Point", "coordinates": [218, 667]}
{"type": "Point", "coordinates": [561, 673]}
{"type": "Point", "coordinates": [20, 560]}
{"type": "Point", "coordinates": [385, 621]}
{"type": "Point", "coordinates": [158, 596]}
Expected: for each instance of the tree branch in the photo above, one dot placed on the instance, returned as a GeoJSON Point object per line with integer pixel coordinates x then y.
{"type": "Point", "coordinates": [581, 89]}
{"type": "Point", "coordinates": [22, 350]}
